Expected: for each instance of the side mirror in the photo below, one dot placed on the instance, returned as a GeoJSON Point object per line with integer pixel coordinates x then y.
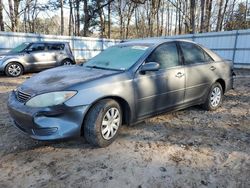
{"type": "Point", "coordinates": [150, 66]}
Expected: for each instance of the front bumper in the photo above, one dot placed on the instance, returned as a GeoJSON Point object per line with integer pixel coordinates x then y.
{"type": "Point", "coordinates": [2, 66]}
{"type": "Point", "coordinates": [49, 123]}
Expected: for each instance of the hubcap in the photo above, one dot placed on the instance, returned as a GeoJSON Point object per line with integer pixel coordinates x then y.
{"type": "Point", "coordinates": [14, 70]}
{"type": "Point", "coordinates": [215, 97]}
{"type": "Point", "coordinates": [67, 63]}
{"type": "Point", "coordinates": [110, 123]}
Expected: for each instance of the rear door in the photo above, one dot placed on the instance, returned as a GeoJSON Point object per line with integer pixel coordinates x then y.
{"type": "Point", "coordinates": [56, 53]}
{"type": "Point", "coordinates": [159, 90]}
{"type": "Point", "coordinates": [199, 70]}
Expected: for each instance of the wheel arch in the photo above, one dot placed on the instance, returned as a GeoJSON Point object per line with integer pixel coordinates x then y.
{"type": "Point", "coordinates": [222, 83]}
{"type": "Point", "coordinates": [67, 58]}
{"type": "Point", "coordinates": [13, 61]}
{"type": "Point", "coordinates": [126, 109]}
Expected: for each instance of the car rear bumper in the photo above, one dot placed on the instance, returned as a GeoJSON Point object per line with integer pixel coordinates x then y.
{"type": "Point", "coordinates": [47, 123]}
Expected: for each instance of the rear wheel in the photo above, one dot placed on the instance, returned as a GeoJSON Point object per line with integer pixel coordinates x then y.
{"type": "Point", "coordinates": [14, 69]}
{"type": "Point", "coordinates": [214, 98]}
{"type": "Point", "coordinates": [102, 123]}
{"type": "Point", "coordinates": [66, 62]}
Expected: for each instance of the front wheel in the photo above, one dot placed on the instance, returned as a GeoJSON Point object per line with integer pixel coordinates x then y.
{"type": "Point", "coordinates": [214, 98]}
{"type": "Point", "coordinates": [14, 69]}
{"type": "Point", "coordinates": [102, 123]}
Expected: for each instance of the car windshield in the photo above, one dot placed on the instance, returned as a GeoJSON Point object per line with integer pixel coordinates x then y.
{"type": "Point", "coordinates": [20, 47]}
{"type": "Point", "coordinates": [120, 57]}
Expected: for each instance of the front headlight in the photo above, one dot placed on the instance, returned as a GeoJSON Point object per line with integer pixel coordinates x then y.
{"type": "Point", "coordinates": [50, 99]}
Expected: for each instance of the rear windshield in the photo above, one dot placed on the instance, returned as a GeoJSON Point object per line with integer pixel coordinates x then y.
{"type": "Point", "coordinates": [120, 57]}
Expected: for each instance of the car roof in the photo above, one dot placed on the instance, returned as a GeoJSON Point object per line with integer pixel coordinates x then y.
{"type": "Point", "coordinates": [153, 41]}
{"type": "Point", "coordinates": [50, 42]}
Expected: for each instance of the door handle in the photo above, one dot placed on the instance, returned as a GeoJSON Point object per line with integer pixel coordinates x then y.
{"type": "Point", "coordinates": [212, 68]}
{"type": "Point", "coordinates": [179, 75]}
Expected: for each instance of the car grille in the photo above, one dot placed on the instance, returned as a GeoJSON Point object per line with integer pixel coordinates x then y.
{"type": "Point", "coordinates": [22, 96]}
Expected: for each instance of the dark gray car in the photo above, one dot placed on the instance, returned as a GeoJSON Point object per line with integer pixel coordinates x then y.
{"type": "Point", "coordinates": [122, 85]}
{"type": "Point", "coordinates": [35, 56]}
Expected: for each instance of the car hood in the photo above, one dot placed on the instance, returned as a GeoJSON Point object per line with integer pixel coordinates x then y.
{"type": "Point", "coordinates": [11, 54]}
{"type": "Point", "coordinates": [62, 78]}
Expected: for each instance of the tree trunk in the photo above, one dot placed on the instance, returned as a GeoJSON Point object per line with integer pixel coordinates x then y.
{"type": "Point", "coordinates": [187, 23]}
{"type": "Point", "coordinates": [62, 19]}
{"type": "Point", "coordinates": [102, 22]}
{"type": "Point", "coordinates": [16, 14]}
{"type": "Point", "coordinates": [179, 18]}
{"type": "Point", "coordinates": [120, 19]}
{"type": "Point", "coordinates": [176, 17]}
{"type": "Point", "coordinates": [86, 18]}
{"type": "Point", "coordinates": [202, 16]}
{"type": "Point", "coordinates": [223, 14]}
{"type": "Point", "coordinates": [219, 20]}
{"type": "Point", "coordinates": [78, 16]}
{"type": "Point", "coordinates": [129, 16]}
{"type": "Point", "coordinates": [168, 21]}
{"type": "Point", "coordinates": [208, 15]}
{"type": "Point", "coordinates": [192, 16]}
{"type": "Point", "coordinates": [11, 10]}
{"type": "Point", "coordinates": [1, 16]}
{"type": "Point", "coordinates": [70, 16]}
{"type": "Point", "coordinates": [109, 20]}
{"type": "Point", "coordinates": [162, 18]}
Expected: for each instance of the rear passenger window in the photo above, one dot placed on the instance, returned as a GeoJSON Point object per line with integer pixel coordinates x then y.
{"type": "Point", "coordinates": [194, 54]}
{"type": "Point", "coordinates": [166, 55]}
{"type": "Point", "coordinates": [56, 46]}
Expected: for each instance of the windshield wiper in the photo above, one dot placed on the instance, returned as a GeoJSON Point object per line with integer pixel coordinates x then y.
{"type": "Point", "coordinates": [104, 68]}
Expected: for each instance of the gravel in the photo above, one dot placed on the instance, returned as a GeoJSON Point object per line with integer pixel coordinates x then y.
{"type": "Point", "coordinates": [188, 148]}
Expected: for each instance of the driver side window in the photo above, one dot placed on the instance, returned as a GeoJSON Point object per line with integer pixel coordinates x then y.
{"type": "Point", "coordinates": [37, 47]}
{"type": "Point", "coordinates": [166, 55]}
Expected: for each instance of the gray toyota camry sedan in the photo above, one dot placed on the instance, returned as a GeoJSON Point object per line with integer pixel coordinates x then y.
{"type": "Point", "coordinates": [122, 85]}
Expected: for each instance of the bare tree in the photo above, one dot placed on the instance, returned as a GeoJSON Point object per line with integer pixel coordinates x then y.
{"type": "Point", "coordinates": [109, 20]}
{"type": "Point", "coordinates": [202, 15]}
{"type": "Point", "coordinates": [208, 15]}
{"type": "Point", "coordinates": [192, 15]}
{"type": "Point", "coordinates": [62, 17]}
{"type": "Point", "coordinates": [11, 15]}
{"type": "Point", "coordinates": [219, 20]}
{"type": "Point", "coordinates": [77, 17]}
{"type": "Point", "coordinates": [71, 20]}
{"type": "Point", "coordinates": [1, 16]}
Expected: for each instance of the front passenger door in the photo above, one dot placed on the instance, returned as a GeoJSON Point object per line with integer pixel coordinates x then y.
{"type": "Point", "coordinates": [162, 89]}
{"type": "Point", "coordinates": [37, 56]}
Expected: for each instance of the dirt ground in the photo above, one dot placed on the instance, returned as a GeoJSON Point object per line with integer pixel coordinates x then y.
{"type": "Point", "coordinates": [188, 148]}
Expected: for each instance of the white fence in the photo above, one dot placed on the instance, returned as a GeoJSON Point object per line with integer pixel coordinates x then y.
{"type": "Point", "coordinates": [82, 47]}
{"type": "Point", "coordinates": [232, 45]}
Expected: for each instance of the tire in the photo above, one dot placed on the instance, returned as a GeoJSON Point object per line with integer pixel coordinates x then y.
{"type": "Point", "coordinates": [98, 126]}
{"type": "Point", "coordinates": [214, 98]}
{"type": "Point", "coordinates": [14, 69]}
{"type": "Point", "coordinates": [66, 62]}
